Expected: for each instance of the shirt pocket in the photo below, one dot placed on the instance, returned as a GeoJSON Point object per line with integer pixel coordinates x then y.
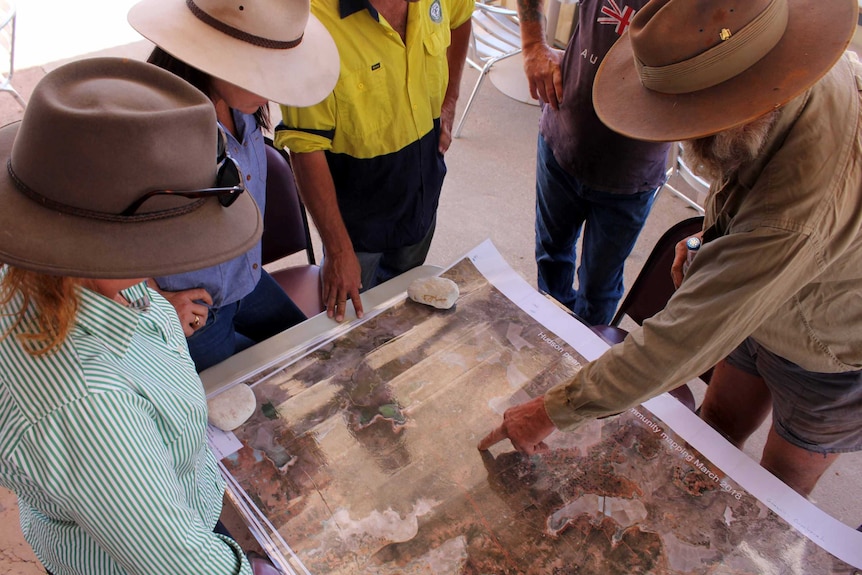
{"type": "Point", "coordinates": [436, 43]}
{"type": "Point", "coordinates": [363, 103]}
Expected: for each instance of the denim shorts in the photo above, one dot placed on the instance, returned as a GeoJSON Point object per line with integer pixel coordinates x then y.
{"type": "Point", "coordinates": [819, 412]}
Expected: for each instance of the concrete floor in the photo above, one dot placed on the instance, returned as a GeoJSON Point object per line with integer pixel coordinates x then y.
{"type": "Point", "coordinates": [489, 193]}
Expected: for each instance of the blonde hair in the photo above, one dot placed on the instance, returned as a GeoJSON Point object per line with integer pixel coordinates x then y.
{"type": "Point", "coordinates": [54, 299]}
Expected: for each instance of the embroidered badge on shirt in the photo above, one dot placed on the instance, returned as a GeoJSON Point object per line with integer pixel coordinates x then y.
{"type": "Point", "coordinates": [436, 12]}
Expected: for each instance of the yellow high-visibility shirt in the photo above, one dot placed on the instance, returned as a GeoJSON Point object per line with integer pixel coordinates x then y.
{"type": "Point", "coordinates": [380, 127]}
{"type": "Point", "coordinates": [389, 92]}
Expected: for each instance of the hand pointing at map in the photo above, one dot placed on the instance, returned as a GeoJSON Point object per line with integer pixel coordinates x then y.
{"type": "Point", "coordinates": [525, 425]}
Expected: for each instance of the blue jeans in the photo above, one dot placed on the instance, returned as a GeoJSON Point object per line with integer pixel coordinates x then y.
{"type": "Point", "coordinates": [611, 225]}
{"type": "Point", "coordinates": [231, 328]}
{"type": "Point", "coordinates": [377, 267]}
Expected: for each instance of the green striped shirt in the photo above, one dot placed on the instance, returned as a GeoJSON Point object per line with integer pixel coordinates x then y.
{"type": "Point", "coordinates": [104, 442]}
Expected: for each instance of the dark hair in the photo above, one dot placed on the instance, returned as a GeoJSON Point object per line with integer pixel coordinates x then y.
{"type": "Point", "coordinates": [198, 79]}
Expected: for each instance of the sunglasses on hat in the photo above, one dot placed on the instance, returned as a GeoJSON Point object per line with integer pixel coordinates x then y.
{"type": "Point", "coordinates": [228, 186]}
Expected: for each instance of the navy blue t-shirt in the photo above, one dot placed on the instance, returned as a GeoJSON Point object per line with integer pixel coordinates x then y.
{"type": "Point", "coordinates": [582, 144]}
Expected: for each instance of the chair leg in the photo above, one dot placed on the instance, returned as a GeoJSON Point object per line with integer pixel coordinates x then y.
{"type": "Point", "coordinates": [7, 79]}
{"type": "Point", "coordinates": [483, 73]}
{"type": "Point", "coordinates": [684, 395]}
{"type": "Point", "coordinates": [16, 95]}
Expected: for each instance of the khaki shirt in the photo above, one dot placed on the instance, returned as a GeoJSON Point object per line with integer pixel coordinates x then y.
{"type": "Point", "coordinates": [785, 265]}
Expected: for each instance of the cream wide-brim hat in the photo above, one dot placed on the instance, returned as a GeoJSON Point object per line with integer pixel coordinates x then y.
{"type": "Point", "coordinates": [665, 31]}
{"type": "Point", "coordinates": [97, 135]}
{"type": "Point", "coordinates": [273, 48]}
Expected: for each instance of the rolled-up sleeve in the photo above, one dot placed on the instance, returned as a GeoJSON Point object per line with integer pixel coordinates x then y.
{"type": "Point", "coordinates": [309, 129]}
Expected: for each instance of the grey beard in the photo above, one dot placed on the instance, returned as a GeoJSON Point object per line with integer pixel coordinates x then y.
{"type": "Point", "coordinates": [718, 156]}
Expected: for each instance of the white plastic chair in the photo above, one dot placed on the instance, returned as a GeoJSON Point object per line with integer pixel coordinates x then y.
{"type": "Point", "coordinates": [698, 185]}
{"type": "Point", "coordinates": [7, 42]}
{"type": "Point", "coordinates": [496, 36]}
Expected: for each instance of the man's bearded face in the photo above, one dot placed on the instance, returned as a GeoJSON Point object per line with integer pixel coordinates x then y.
{"type": "Point", "coordinates": [716, 157]}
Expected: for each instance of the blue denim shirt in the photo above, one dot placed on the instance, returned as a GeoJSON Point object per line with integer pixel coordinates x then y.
{"type": "Point", "coordinates": [231, 281]}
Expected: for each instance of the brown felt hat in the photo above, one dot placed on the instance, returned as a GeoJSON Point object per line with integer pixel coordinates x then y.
{"type": "Point", "coordinates": [97, 135]}
{"type": "Point", "coordinates": [273, 48]}
{"type": "Point", "coordinates": [691, 68]}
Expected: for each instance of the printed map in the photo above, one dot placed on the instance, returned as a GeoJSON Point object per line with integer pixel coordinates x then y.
{"type": "Point", "coordinates": [363, 456]}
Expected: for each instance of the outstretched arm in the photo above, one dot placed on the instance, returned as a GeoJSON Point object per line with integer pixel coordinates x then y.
{"type": "Point", "coordinates": [341, 272]}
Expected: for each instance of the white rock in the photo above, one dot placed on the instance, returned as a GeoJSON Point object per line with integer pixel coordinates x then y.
{"type": "Point", "coordinates": [434, 291]}
{"type": "Point", "coordinates": [232, 407]}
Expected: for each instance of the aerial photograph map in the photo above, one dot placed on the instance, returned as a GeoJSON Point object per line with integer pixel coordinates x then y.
{"type": "Point", "coordinates": [362, 456]}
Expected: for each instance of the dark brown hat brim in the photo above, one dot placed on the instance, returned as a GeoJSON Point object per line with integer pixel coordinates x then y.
{"type": "Point", "coordinates": [37, 238]}
{"type": "Point", "coordinates": [818, 32]}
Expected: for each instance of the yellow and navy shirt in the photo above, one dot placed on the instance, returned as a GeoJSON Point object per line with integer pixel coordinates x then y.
{"type": "Point", "coordinates": [380, 125]}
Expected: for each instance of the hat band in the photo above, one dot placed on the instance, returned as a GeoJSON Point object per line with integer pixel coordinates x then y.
{"type": "Point", "coordinates": [91, 214]}
{"type": "Point", "coordinates": [239, 34]}
{"type": "Point", "coordinates": [737, 52]}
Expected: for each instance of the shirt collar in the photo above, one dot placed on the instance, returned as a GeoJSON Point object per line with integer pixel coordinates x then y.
{"type": "Point", "coordinates": [138, 296]}
{"type": "Point", "coordinates": [348, 7]}
{"type": "Point", "coordinates": [109, 321]}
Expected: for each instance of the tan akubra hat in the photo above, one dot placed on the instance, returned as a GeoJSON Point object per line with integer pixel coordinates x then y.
{"type": "Point", "coordinates": [97, 136]}
{"type": "Point", "coordinates": [273, 48]}
{"type": "Point", "coordinates": [691, 68]}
